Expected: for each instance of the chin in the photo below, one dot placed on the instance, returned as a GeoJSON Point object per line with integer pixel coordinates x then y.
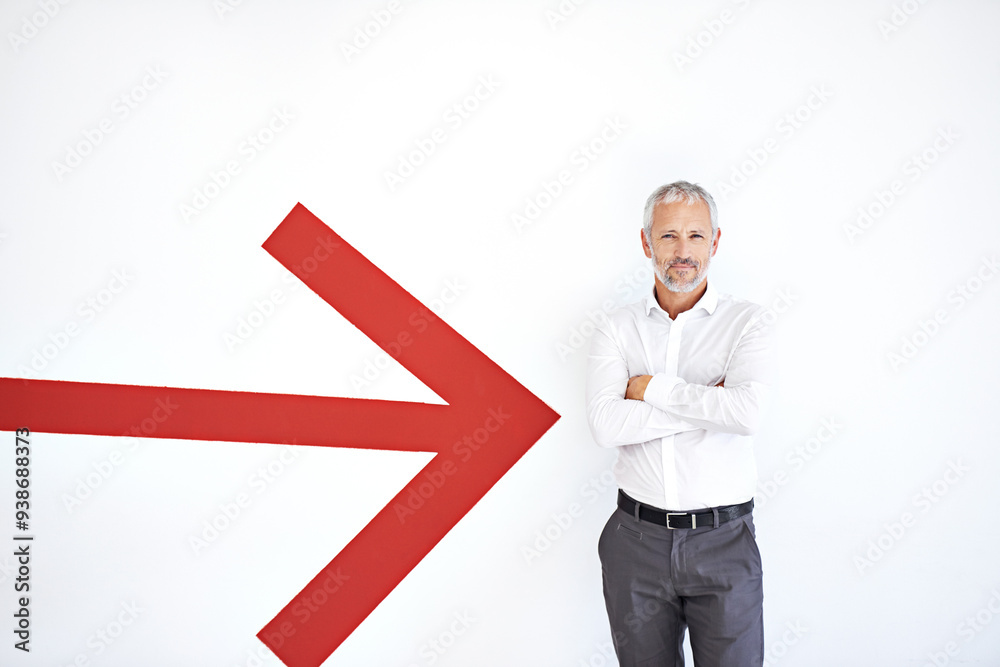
{"type": "Point", "coordinates": [685, 288]}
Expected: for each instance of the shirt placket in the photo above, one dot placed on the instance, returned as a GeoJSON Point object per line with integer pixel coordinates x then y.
{"type": "Point", "coordinates": [671, 495]}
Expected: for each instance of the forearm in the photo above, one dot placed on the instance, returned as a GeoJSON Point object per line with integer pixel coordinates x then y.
{"type": "Point", "coordinates": [615, 421]}
{"type": "Point", "coordinates": [729, 409]}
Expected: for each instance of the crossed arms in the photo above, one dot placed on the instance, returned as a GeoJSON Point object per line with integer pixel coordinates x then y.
{"type": "Point", "coordinates": [624, 410]}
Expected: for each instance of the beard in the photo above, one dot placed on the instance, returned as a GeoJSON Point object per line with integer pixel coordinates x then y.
{"type": "Point", "coordinates": [682, 285]}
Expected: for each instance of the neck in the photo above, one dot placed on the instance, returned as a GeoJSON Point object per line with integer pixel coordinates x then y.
{"type": "Point", "coordinates": [676, 303]}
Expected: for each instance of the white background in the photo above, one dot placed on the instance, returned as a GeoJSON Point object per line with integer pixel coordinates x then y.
{"type": "Point", "coordinates": [701, 91]}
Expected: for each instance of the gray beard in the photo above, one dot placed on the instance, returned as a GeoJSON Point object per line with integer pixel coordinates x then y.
{"type": "Point", "coordinates": [676, 287]}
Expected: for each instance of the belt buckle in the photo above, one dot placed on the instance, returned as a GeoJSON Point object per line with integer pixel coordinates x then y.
{"type": "Point", "coordinates": [694, 519]}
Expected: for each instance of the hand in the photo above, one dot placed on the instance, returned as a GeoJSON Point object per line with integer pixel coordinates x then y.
{"type": "Point", "coordinates": [636, 388]}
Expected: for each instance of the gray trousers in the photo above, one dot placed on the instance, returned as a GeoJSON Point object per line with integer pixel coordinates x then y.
{"type": "Point", "coordinates": [658, 582]}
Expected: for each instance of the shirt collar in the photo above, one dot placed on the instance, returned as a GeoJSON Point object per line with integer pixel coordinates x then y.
{"type": "Point", "coordinates": [708, 301]}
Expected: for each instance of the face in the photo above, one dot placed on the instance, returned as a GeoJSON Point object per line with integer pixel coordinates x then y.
{"type": "Point", "coordinates": [681, 244]}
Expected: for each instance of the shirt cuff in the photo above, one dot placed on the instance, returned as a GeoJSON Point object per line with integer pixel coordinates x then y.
{"type": "Point", "coordinates": [658, 390]}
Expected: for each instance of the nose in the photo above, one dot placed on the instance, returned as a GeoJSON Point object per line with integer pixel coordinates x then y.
{"type": "Point", "coordinates": [681, 249]}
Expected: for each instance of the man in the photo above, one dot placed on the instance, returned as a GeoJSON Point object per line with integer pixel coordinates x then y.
{"type": "Point", "coordinates": [675, 382]}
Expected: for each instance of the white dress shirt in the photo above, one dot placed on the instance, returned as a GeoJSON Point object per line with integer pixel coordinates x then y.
{"type": "Point", "coordinates": [688, 444]}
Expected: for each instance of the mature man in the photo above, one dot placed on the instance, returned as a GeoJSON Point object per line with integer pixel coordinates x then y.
{"type": "Point", "coordinates": [675, 382]}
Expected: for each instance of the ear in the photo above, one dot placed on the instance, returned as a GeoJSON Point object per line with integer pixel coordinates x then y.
{"type": "Point", "coordinates": [645, 244]}
{"type": "Point", "coordinates": [715, 241]}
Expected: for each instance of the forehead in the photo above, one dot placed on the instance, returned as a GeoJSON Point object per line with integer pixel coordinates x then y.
{"type": "Point", "coordinates": [681, 215]}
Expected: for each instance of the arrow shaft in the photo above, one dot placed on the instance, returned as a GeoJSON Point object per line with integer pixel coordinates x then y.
{"type": "Point", "coordinates": [232, 416]}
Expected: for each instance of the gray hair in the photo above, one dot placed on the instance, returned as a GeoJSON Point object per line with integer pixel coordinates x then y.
{"type": "Point", "coordinates": [678, 191]}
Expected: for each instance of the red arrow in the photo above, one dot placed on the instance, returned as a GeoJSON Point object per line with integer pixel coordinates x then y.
{"type": "Point", "coordinates": [489, 423]}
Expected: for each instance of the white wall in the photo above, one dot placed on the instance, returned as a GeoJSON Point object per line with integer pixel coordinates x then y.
{"type": "Point", "coordinates": [794, 114]}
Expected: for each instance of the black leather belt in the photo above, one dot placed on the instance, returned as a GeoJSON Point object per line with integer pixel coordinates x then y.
{"type": "Point", "coordinates": [701, 519]}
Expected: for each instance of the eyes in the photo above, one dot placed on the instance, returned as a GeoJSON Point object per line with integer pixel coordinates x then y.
{"type": "Point", "coordinates": [669, 235]}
